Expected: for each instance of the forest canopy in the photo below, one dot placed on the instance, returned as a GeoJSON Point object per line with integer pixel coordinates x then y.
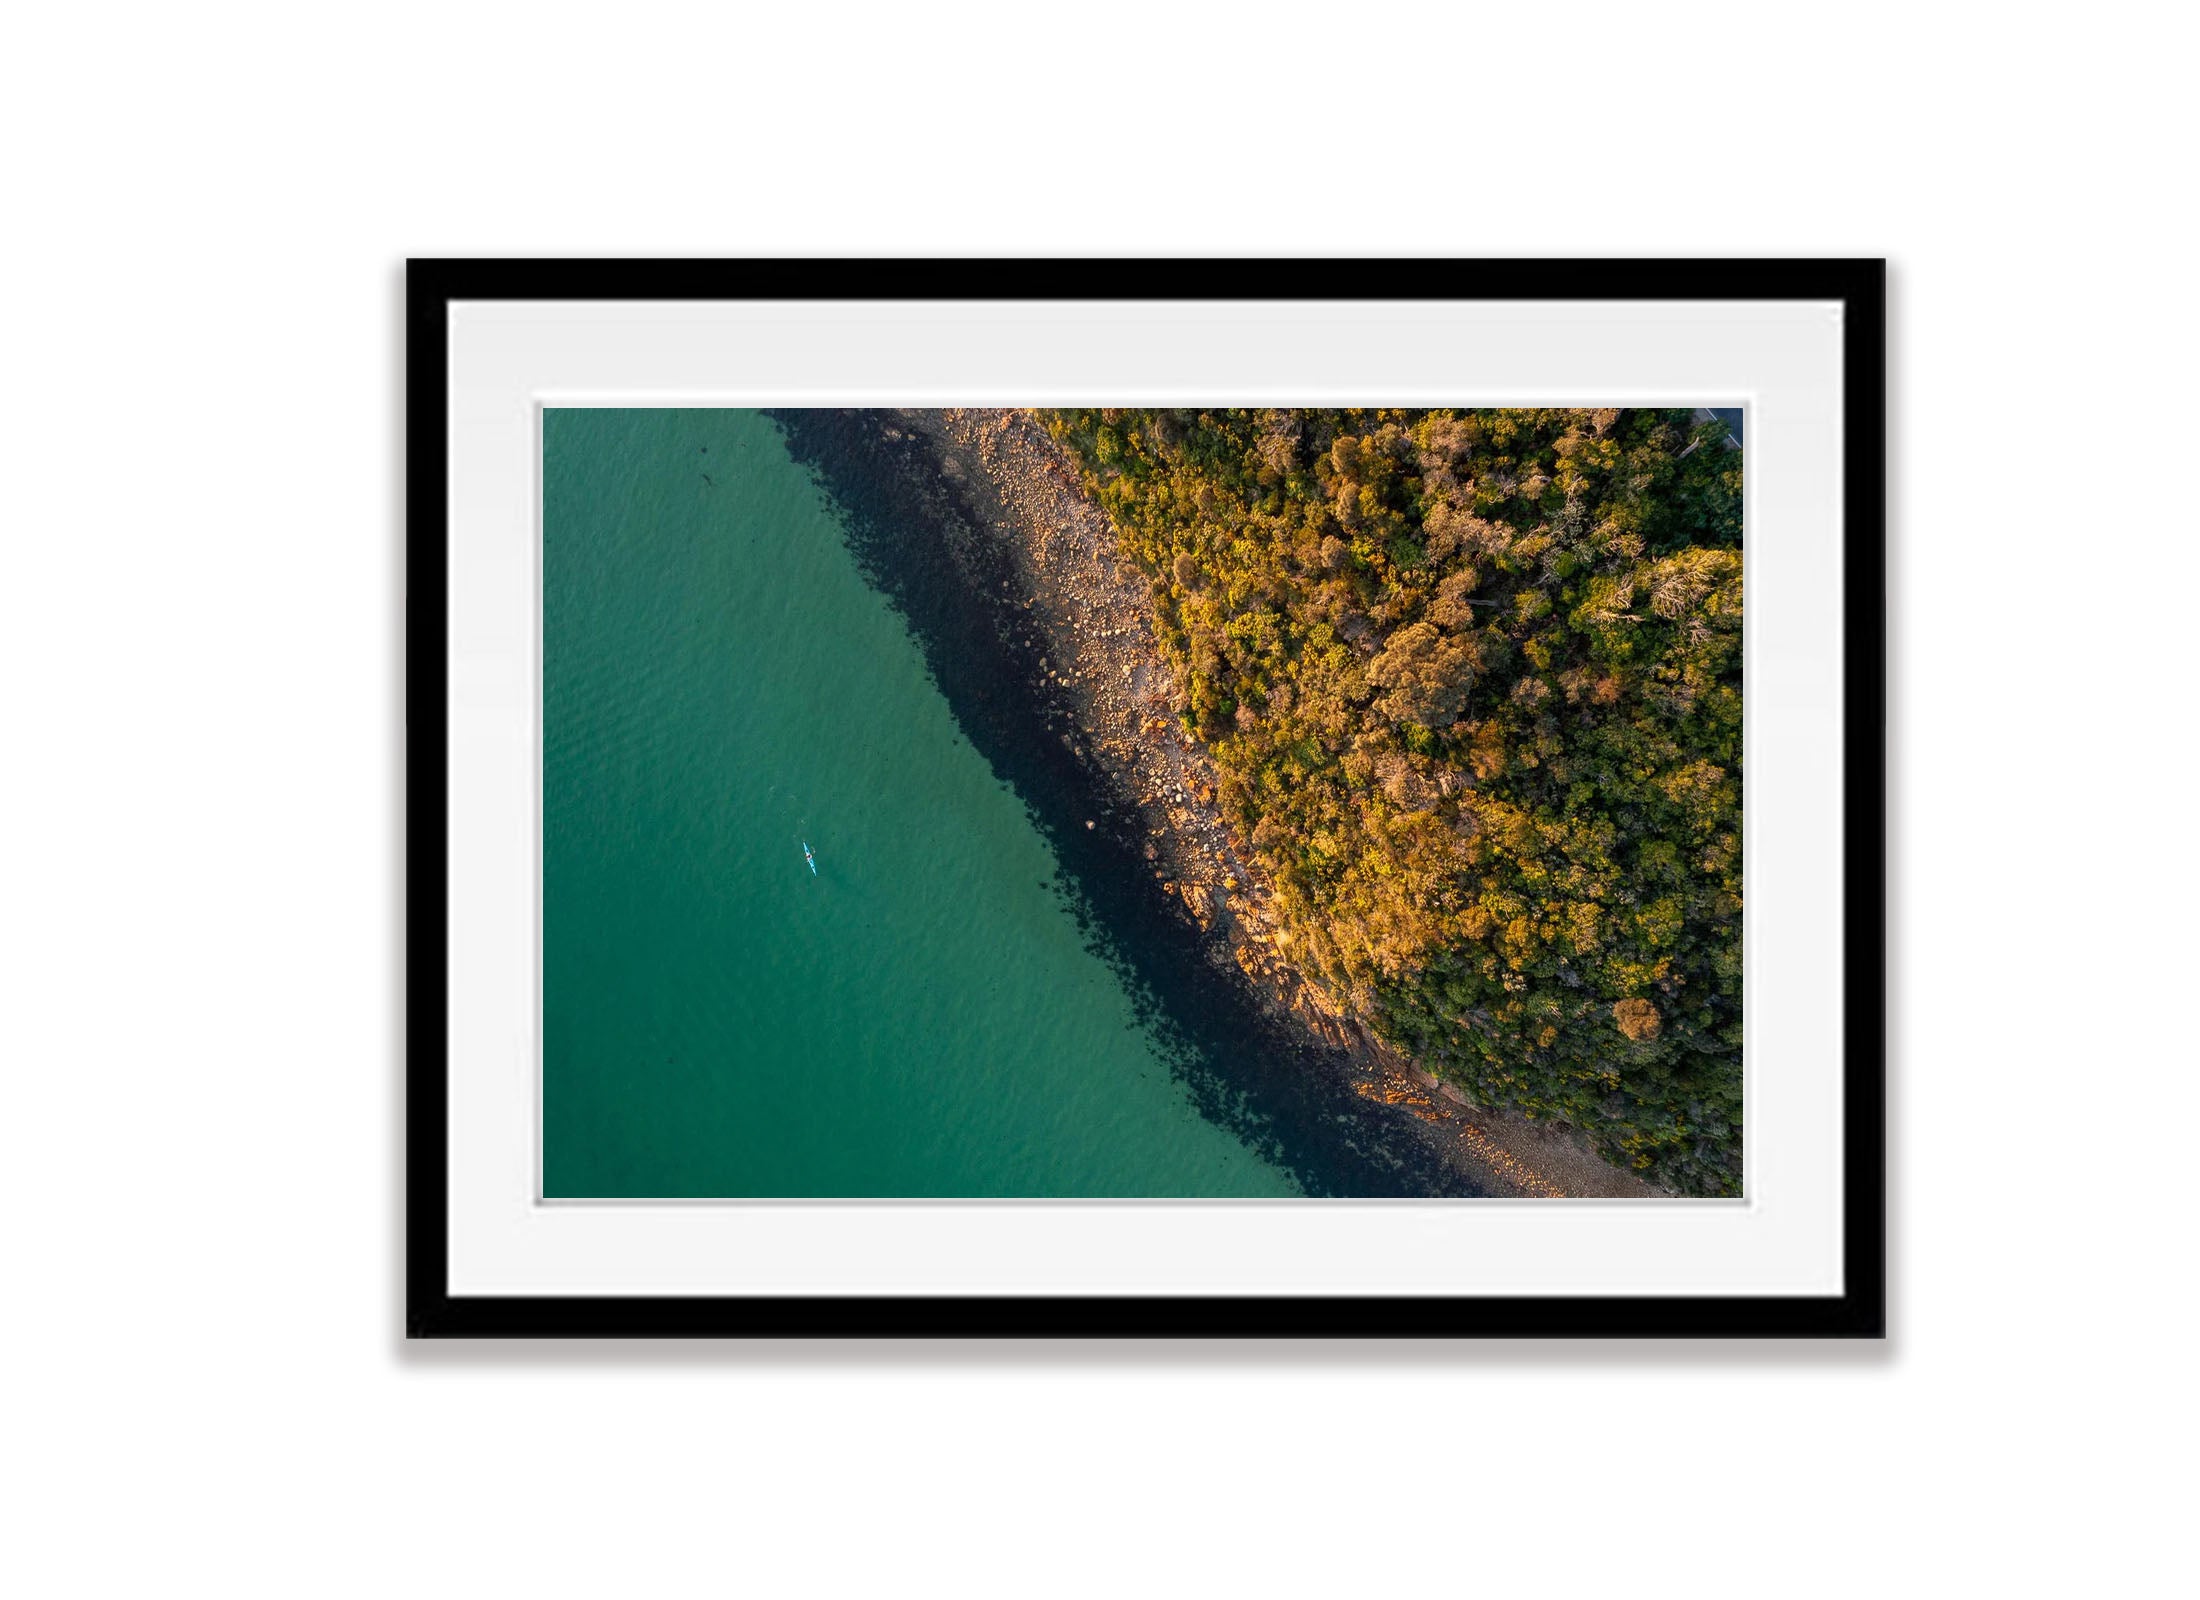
{"type": "Point", "coordinates": [1473, 683]}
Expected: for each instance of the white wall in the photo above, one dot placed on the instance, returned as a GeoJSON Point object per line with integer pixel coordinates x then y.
{"type": "Point", "coordinates": [206, 209]}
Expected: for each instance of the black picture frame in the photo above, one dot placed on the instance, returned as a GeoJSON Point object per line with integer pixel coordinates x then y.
{"type": "Point", "coordinates": [432, 1311]}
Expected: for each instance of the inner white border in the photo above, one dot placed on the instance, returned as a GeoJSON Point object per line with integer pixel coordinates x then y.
{"type": "Point", "coordinates": [1780, 359]}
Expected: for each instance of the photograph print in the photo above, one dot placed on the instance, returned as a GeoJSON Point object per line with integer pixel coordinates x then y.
{"type": "Point", "coordinates": [1141, 803]}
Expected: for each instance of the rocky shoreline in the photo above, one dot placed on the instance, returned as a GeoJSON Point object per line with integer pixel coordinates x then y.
{"type": "Point", "coordinates": [1005, 501]}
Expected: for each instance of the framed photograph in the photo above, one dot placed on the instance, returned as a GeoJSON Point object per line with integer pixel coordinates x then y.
{"type": "Point", "coordinates": [1157, 798]}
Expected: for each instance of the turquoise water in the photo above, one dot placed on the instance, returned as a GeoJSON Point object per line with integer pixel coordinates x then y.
{"type": "Point", "coordinates": [924, 1016]}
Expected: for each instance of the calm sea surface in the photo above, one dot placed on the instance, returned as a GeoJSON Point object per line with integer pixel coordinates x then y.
{"type": "Point", "coordinates": [924, 1017]}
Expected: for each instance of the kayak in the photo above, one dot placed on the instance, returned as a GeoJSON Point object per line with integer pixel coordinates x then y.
{"type": "Point", "coordinates": [812, 860]}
